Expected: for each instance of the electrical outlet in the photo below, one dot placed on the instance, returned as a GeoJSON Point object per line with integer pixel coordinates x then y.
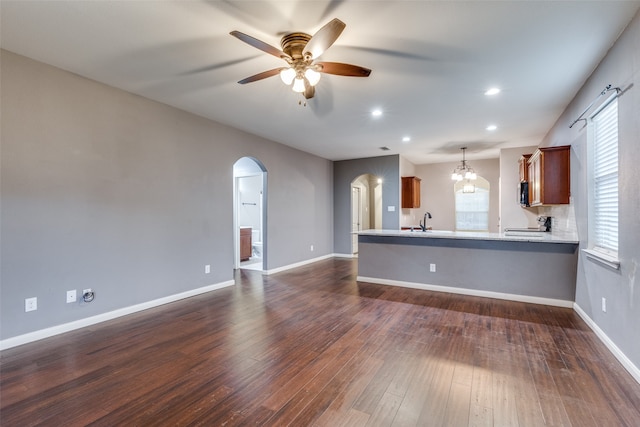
{"type": "Point", "coordinates": [604, 304]}
{"type": "Point", "coordinates": [207, 269]}
{"type": "Point", "coordinates": [31, 304]}
{"type": "Point", "coordinates": [432, 268]}
{"type": "Point", "coordinates": [311, 248]}
{"type": "Point", "coordinates": [71, 296]}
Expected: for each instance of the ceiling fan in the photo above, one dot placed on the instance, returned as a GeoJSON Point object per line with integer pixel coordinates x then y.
{"type": "Point", "coordinates": [300, 51]}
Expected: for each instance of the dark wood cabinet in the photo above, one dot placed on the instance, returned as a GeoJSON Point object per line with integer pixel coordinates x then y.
{"type": "Point", "coordinates": [245, 243]}
{"type": "Point", "coordinates": [410, 192]}
{"type": "Point", "coordinates": [549, 176]}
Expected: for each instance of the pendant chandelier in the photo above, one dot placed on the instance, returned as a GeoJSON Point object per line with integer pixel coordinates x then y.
{"type": "Point", "coordinates": [463, 170]}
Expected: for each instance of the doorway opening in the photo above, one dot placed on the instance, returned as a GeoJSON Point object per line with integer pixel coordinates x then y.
{"type": "Point", "coordinates": [250, 214]}
{"type": "Point", "coordinates": [366, 206]}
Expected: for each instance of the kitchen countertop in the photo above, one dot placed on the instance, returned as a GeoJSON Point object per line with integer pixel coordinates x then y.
{"type": "Point", "coordinates": [511, 236]}
{"type": "Point", "coordinates": [535, 267]}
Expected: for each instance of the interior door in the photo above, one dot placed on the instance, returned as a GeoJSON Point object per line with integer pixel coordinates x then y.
{"type": "Point", "coordinates": [356, 215]}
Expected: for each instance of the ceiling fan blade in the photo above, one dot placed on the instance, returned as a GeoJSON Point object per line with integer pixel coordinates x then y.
{"type": "Point", "coordinates": [213, 67]}
{"type": "Point", "coordinates": [341, 69]}
{"type": "Point", "coordinates": [259, 44]}
{"type": "Point", "coordinates": [260, 76]}
{"type": "Point", "coordinates": [324, 38]}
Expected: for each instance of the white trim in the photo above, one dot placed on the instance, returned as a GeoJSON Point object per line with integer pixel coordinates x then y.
{"type": "Point", "coordinates": [297, 264]}
{"type": "Point", "coordinates": [622, 358]}
{"type": "Point", "coordinates": [602, 258]}
{"type": "Point", "coordinates": [472, 292]}
{"type": "Point", "coordinates": [88, 321]}
{"type": "Point", "coordinates": [345, 256]}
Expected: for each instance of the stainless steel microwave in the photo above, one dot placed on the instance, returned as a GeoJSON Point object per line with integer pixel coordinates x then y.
{"type": "Point", "coordinates": [523, 192]}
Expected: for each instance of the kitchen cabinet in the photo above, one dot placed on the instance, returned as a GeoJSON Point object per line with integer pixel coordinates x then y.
{"type": "Point", "coordinates": [549, 176]}
{"type": "Point", "coordinates": [410, 192]}
{"type": "Point", "coordinates": [524, 167]}
{"type": "Point", "coordinates": [245, 243]}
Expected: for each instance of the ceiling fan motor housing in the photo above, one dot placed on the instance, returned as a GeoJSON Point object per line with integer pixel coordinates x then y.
{"type": "Point", "coordinates": [293, 44]}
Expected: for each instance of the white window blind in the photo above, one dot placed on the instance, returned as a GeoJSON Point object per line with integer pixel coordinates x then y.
{"type": "Point", "coordinates": [605, 179]}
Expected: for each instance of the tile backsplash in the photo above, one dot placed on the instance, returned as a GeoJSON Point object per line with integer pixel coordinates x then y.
{"type": "Point", "coordinates": [563, 218]}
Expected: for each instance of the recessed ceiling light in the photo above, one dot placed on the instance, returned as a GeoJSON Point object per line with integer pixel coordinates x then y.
{"type": "Point", "coordinates": [492, 91]}
{"type": "Point", "coordinates": [492, 127]}
{"type": "Point", "coordinates": [376, 113]}
{"type": "Point", "coordinates": [406, 138]}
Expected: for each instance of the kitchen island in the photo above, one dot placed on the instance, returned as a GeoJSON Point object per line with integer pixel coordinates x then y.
{"type": "Point", "coordinates": [527, 266]}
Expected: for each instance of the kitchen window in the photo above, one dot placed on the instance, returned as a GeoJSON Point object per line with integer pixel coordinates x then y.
{"type": "Point", "coordinates": [603, 188]}
{"type": "Point", "coordinates": [472, 208]}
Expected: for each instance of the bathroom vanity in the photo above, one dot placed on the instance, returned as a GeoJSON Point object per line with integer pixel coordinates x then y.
{"type": "Point", "coordinates": [531, 267]}
{"type": "Point", "coordinates": [245, 243]}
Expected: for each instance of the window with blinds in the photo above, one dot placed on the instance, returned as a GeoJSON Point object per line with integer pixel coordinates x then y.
{"type": "Point", "coordinates": [604, 196]}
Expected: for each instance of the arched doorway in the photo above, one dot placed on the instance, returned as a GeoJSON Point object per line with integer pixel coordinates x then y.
{"type": "Point", "coordinates": [366, 206]}
{"type": "Point", "coordinates": [250, 214]}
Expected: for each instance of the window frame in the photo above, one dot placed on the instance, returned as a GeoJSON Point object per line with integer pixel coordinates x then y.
{"type": "Point", "coordinates": [480, 184]}
{"type": "Point", "coordinates": [600, 246]}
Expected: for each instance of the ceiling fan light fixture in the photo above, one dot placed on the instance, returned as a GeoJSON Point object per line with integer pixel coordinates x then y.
{"type": "Point", "coordinates": [287, 75]}
{"type": "Point", "coordinates": [298, 85]}
{"type": "Point", "coordinates": [313, 77]}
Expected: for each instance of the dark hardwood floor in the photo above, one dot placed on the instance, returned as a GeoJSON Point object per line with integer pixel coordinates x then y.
{"type": "Point", "coordinates": [312, 346]}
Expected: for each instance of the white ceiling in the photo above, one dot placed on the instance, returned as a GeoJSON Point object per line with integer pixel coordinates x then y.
{"type": "Point", "coordinates": [431, 62]}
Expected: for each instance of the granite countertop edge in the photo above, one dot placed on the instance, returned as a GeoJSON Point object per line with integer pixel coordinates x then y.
{"type": "Point", "coordinates": [534, 237]}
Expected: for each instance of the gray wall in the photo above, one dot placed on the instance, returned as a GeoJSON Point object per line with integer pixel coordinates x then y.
{"type": "Point", "coordinates": [344, 172]}
{"type": "Point", "coordinates": [108, 190]}
{"type": "Point", "coordinates": [621, 322]}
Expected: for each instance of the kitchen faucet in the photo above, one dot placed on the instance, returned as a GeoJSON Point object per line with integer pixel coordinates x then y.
{"type": "Point", "coordinates": [423, 224]}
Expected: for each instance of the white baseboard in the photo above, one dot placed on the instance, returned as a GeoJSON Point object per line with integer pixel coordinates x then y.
{"type": "Point", "coordinates": [471, 292]}
{"type": "Point", "coordinates": [88, 321]}
{"type": "Point", "coordinates": [345, 256]}
{"type": "Point", "coordinates": [297, 264]}
{"type": "Point", "coordinates": [622, 358]}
